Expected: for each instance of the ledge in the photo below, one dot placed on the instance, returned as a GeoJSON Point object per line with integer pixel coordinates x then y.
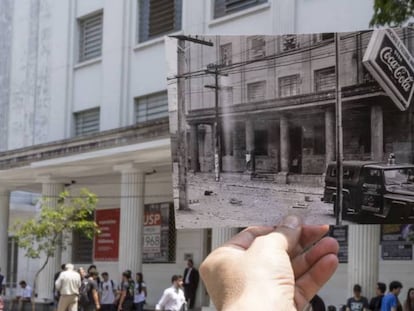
{"type": "Point", "coordinates": [155, 41]}
{"type": "Point", "coordinates": [236, 15]}
{"type": "Point", "coordinates": [87, 63]}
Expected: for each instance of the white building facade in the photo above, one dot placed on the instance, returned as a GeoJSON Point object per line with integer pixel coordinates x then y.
{"type": "Point", "coordinates": [83, 103]}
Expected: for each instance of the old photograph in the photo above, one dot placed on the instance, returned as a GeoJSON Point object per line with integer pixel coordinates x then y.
{"type": "Point", "coordinates": [318, 125]}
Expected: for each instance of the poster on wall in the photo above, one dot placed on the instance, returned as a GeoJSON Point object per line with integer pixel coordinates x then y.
{"type": "Point", "coordinates": [397, 242]}
{"type": "Point", "coordinates": [107, 242]}
{"type": "Point", "coordinates": [340, 233]}
{"type": "Point", "coordinates": [156, 232]}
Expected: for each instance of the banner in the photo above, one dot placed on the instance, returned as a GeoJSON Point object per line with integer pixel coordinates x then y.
{"type": "Point", "coordinates": [157, 239]}
{"type": "Point", "coordinates": [397, 242]}
{"type": "Point", "coordinates": [340, 233]}
{"type": "Point", "coordinates": [107, 242]}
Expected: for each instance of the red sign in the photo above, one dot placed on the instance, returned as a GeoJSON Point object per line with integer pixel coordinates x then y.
{"type": "Point", "coordinates": [107, 242]}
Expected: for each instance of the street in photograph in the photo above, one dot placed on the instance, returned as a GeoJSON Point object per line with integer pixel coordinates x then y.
{"type": "Point", "coordinates": [318, 125]}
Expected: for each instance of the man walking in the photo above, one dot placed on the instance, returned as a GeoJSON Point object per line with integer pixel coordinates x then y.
{"type": "Point", "coordinates": [191, 278]}
{"type": "Point", "coordinates": [67, 285]}
{"type": "Point", "coordinates": [390, 300]}
{"type": "Point", "coordinates": [173, 298]}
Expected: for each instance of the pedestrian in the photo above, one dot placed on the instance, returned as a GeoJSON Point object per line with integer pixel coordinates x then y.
{"type": "Point", "coordinates": [173, 298]}
{"type": "Point", "coordinates": [2, 287]}
{"type": "Point", "coordinates": [409, 302]}
{"type": "Point", "coordinates": [67, 285]}
{"type": "Point", "coordinates": [375, 303]}
{"type": "Point", "coordinates": [317, 304]}
{"type": "Point", "coordinates": [390, 300]}
{"type": "Point", "coordinates": [56, 293]}
{"type": "Point", "coordinates": [24, 296]}
{"type": "Point", "coordinates": [107, 290]}
{"type": "Point", "coordinates": [126, 299]}
{"type": "Point", "coordinates": [88, 291]}
{"type": "Point", "coordinates": [140, 292]}
{"type": "Point", "coordinates": [357, 302]}
{"type": "Point", "coordinates": [191, 278]}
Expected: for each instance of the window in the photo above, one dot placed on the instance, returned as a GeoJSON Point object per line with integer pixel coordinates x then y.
{"type": "Point", "coordinates": [289, 42]}
{"type": "Point", "coordinates": [257, 47]}
{"type": "Point", "coordinates": [158, 17]}
{"type": "Point", "coordinates": [256, 91]}
{"type": "Point", "coordinates": [225, 54]}
{"type": "Point", "coordinates": [261, 141]}
{"type": "Point", "coordinates": [224, 7]}
{"type": "Point", "coordinates": [159, 233]}
{"type": "Point", "coordinates": [87, 122]}
{"type": "Point", "coordinates": [151, 107]}
{"type": "Point", "coordinates": [289, 86]}
{"type": "Point", "coordinates": [90, 37]}
{"type": "Point", "coordinates": [326, 36]}
{"type": "Point", "coordinates": [82, 248]}
{"type": "Point", "coordinates": [325, 79]}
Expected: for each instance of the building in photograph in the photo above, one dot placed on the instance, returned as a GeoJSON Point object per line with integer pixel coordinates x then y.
{"type": "Point", "coordinates": [83, 103]}
{"type": "Point", "coordinates": [262, 109]}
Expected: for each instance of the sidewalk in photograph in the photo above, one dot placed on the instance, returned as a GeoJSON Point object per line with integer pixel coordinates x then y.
{"type": "Point", "coordinates": [239, 203]}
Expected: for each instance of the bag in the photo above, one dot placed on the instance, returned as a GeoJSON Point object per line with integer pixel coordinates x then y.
{"type": "Point", "coordinates": [84, 290]}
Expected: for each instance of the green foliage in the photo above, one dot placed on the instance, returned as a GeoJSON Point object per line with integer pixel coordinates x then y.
{"type": "Point", "coordinates": [392, 12]}
{"type": "Point", "coordinates": [52, 228]}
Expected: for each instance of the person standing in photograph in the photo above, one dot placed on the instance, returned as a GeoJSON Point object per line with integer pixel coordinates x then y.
{"type": "Point", "coordinates": [357, 302]}
{"type": "Point", "coordinates": [126, 299]}
{"type": "Point", "coordinates": [390, 300]}
{"type": "Point", "coordinates": [107, 290]}
{"type": "Point", "coordinates": [375, 303]}
{"type": "Point", "coordinates": [67, 285]}
{"type": "Point", "coordinates": [173, 298]}
{"type": "Point", "coordinates": [140, 292]}
{"type": "Point", "coordinates": [2, 287]}
{"type": "Point", "coordinates": [409, 302]}
{"type": "Point", "coordinates": [191, 278]}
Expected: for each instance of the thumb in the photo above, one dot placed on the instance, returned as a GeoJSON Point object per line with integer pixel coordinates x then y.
{"type": "Point", "coordinates": [284, 237]}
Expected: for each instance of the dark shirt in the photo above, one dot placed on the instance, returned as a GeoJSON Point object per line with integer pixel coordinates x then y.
{"type": "Point", "coordinates": [357, 305]}
{"type": "Point", "coordinates": [375, 303]}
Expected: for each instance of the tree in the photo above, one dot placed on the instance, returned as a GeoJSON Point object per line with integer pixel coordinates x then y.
{"type": "Point", "coordinates": [392, 12]}
{"type": "Point", "coordinates": [50, 231]}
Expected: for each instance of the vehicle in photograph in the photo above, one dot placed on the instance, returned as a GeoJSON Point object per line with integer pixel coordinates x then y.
{"type": "Point", "coordinates": [382, 190]}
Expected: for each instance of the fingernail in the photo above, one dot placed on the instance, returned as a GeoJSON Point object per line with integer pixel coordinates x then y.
{"type": "Point", "coordinates": [291, 221]}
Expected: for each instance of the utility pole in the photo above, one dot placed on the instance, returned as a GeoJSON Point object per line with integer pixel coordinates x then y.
{"type": "Point", "coordinates": [180, 158]}
{"type": "Point", "coordinates": [214, 69]}
{"type": "Point", "coordinates": [339, 137]}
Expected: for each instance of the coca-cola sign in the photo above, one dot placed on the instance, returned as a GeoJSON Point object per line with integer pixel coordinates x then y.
{"type": "Point", "coordinates": [392, 65]}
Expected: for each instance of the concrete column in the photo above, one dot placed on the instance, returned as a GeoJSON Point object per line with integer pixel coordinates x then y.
{"type": "Point", "coordinates": [132, 217]}
{"type": "Point", "coordinates": [194, 147]}
{"type": "Point", "coordinates": [284, 144]}
{"type": "Point", "coordinates": [363, 258]}
{"type": "Point", "coordinates": [377, 133]}
{"type": "Point", "coordinates": [219, 237]}
{"type": "Point", "coordinates": [329, 135]}
{"type": "Point", "coordinates": [50, 193]}
{"type": "Point", "coordinates": [4, 228]}
{"type": "Point", "coordinates": [249, 145]}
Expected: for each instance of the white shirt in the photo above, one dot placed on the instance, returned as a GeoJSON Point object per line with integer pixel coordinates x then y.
{"type": "Point", "coordinates": [172, 299]}
{"type": "Point", "coordinates": [139, 297]}
{"type": "Point", "coordinates": [25, 292]}
{"type": "Point", "coordinates": [68, 283]}
{"type": "Point", "coordinates": [107, 292]}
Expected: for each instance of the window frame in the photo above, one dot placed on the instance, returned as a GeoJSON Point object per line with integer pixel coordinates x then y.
{"type": "Point", "coordinates": [291, 85]}
{"type": "Point", "coordinates": [318, 72]}
{"type": "Point", "coordinates": [163, 114]}
{"type": "Point", "coordinates": [221, 10]}
{"type": "Point", "coordinates": [81, 55]}
{"type": "Point", "coordinates": [76, 114]}
{"type": "Point", "coordinates": [144, 16]}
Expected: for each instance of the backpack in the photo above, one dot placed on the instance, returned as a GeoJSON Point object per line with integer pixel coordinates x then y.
{"type": "Point", "coordinates": [131, 290]}
{"type": "Point", "coordinates": [112, 283]}
{"type": "Point", "coordinates": [84, 298]}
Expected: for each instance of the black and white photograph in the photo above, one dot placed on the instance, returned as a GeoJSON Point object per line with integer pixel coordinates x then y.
{"type": "Point", "coordinates": [317, 125]}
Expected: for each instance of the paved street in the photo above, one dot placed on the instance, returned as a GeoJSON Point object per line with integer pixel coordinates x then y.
{"type": "Point", "coordinates": [238, 203]}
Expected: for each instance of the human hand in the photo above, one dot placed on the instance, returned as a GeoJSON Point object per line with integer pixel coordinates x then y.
{"type": "Point", "coordinates": [270, 268]}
